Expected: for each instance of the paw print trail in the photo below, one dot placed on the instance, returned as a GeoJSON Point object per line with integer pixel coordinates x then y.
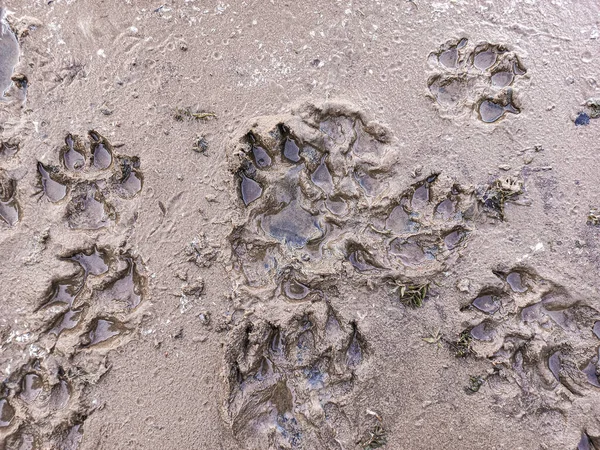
{"type": "Point", "coordinates": [539, 334]}
{"type": "Point", "coordinates": [83, 316]}
{"type": "Point", "coordinates": [90, 309]}
{"type": "Point", "coordinates": [340, 200]}
{"type": "Point", "coordinates": [324, 205]}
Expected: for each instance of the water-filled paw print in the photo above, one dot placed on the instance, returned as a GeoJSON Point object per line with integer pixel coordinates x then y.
{"type": "Point", "coordinates": [323, 190]}
{"type": "Point", "coordinates": [96, 299]}
{"type": "Point", "coordinates": [538, 332]}
{"type": "Point", "coordinates": [93, 180]}
{"type": "Point", "coordinates": [481, 78]}
{"type": "Point", "coordinates": [288, 380]}
{"type": "Point", "coordinates": [323, 199]}
{"type": "Point", "coordinates": [89, 311]}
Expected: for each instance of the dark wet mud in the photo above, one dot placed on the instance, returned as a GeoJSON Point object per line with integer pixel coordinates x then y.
{"type": "Point", "coordinates": [9, 53]}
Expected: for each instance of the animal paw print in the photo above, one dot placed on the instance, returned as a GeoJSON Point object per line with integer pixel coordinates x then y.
{"type": "Point", "coordinates": [42, 409]}
{"type": "Point", "coordinates": [82, 317]}
{"type": "Point", "coordinates": [10, 210]}
{"type": "Point", "coordinates": [321, 191]}
{"type": "Point", "coordinates": [538, 332]}
{"type": "Point", "coordinates": [98, 297]}
{"type": "Point", "coordinates": [93, 181]}
{"type": "Point", "coordinates": [288, 380]}
{"type": "Point", "coordinates": [480, 78]}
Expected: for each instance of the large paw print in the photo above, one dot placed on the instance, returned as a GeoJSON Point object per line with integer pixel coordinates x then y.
{"type": "Point", "coordinates": [323, 196]}
{"type": "Point", "coordinates": [321, 191]}
{"type": "Point", "coordinates": [480, 79]}
{"type": "Point", "coordinates": [537, 331]}
{"type": "Point", "coordinates": [93, 181]}
{"type": "Point", "coordinates": [83, 316]}
{"type": "Point", "coordinates": [288, 379]}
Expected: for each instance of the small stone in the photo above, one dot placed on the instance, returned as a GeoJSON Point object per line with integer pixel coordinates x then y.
{"type": "Point", "coordinates": [204, 317]}
{"type": "Point", "coordinates": [504, 167]}
{"type": "Point", "coordinates": [194, 288]}
{"type": "Point", "coordinates": [464, 285]}
{"type": "Point", "coordinates": [200, 145]}
{"type": "Point", "coordinates": [417, 171]}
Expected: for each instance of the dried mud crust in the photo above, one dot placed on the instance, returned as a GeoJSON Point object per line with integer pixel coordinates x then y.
{"type": "Point", "coordinates": [94, 181]}
{"type": "Point", "coordinates": [289, 379]}
{"type": "Point", "coordinates": [539, 336]}
{"type": "Point", "coordinates": [481, 79]}
{"type": "Point", "coordinates": [325, 204]}
{"type": "Point", "coordinates": [83, 316]}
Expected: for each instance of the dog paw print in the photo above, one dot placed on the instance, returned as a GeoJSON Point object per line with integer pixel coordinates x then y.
{"type": "Point", "coordinates": [288, 380]}
{"type": "Point", "coordinates": [321, 193]}
{"type": "Point", "coordinates": [10, 210]}
{"type": "Point", "coordinates": [99, 297]}
{"type": "Point", "coordinates": [481, 78]}
{"type": "Point", "coordinates": [541, 335]}
{"type": "Point", "coordinates": [43, 408]}
{"type": "Point", "coordinates": [94, 181]}
{"type": "Point", "coordinates": [84, 315]}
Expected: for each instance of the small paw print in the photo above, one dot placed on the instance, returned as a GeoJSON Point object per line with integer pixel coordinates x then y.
{"type": "Point", "coordinates": [92, 180]}
{"type": "Point", "coordinates": [481, 79]}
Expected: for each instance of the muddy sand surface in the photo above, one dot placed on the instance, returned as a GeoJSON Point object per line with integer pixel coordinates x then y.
{"type": "Point", "coordinates": [299, 225]}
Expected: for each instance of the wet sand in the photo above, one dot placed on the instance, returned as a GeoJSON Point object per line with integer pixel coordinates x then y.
{"type": "Point", "coordinates": [258, 225]}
